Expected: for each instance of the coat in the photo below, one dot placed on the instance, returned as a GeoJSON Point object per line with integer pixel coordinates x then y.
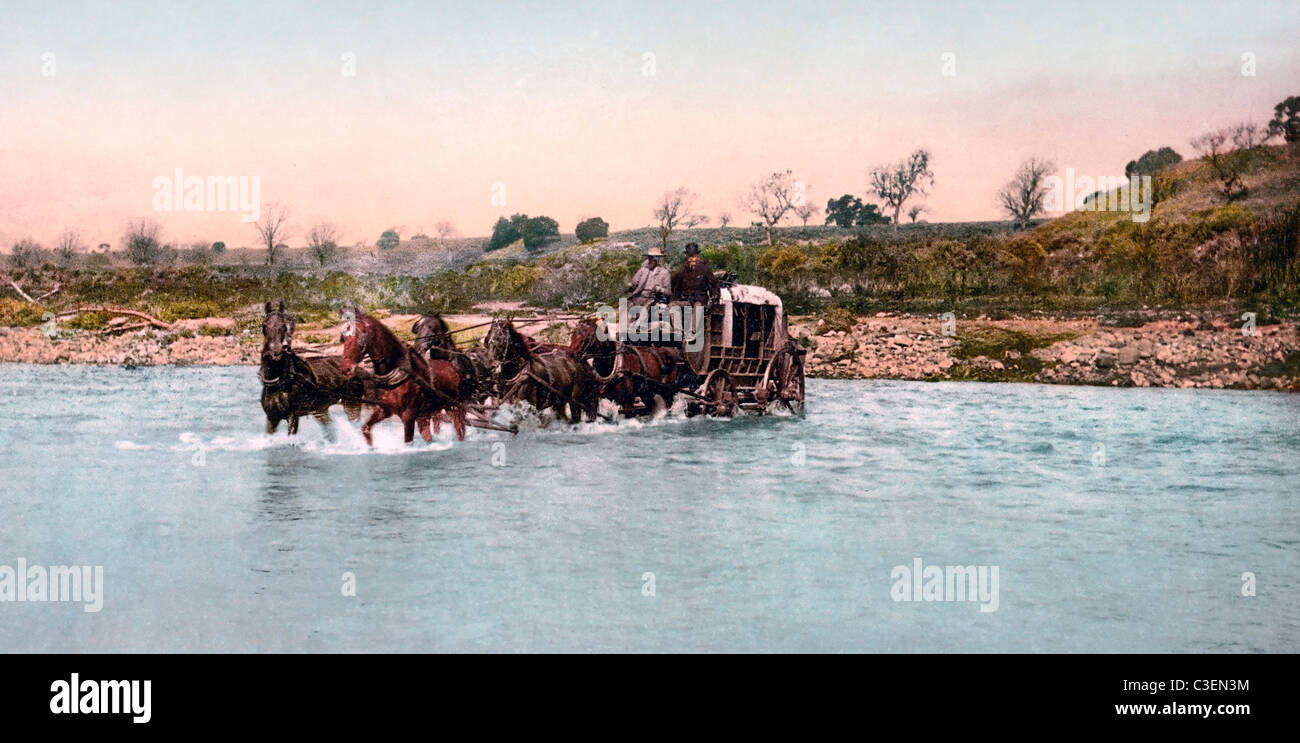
{"type": "Point", "coordinates": [694, 282]}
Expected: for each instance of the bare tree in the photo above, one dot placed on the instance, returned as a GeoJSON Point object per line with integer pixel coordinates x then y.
{"type": "Point", "coordinates": [1213, 146]}
{"type": "Point", "coordinates": [771, 199]}
{"type": "Point", "coordinates": [676, 210]}
{"type": "Point", "coordinates": [323, 241]}
{"type": "Point", "coordinates": [897, 183]}
{"type": "Point", "coordinates": [444, 232]}
{"type": "Point", "coordinates": [724, 219]}
{"type": "Point", "coordinates": [1248, 135]}
{"type": "Point", "coordinates": [141, 241]}
{"type": "Point", "coordinates": [915, 211]}
{"type": "Point", "coordinates": [199, 253]}
{"type": "Point", "coordinates": [26, 253]}
{"type": "Point", "coordinates": [1023, 196]}
{"type": "Point", "coordinates": [68, 247]}
{"type": "Point", "coordinates": [805, 212]}
{"type": "Point", "coordinates": [272, 229]}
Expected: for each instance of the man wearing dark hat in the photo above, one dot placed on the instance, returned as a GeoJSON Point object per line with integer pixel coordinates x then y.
{"type": "Point", "coordinates": [694, 282]}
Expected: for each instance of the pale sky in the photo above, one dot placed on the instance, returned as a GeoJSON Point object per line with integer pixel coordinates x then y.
{"type": "Point", "coordinates": [553, 100]}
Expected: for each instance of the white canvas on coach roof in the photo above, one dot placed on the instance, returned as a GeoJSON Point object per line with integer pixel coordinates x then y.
{"type": "Point", "coordinates": [750, 294]}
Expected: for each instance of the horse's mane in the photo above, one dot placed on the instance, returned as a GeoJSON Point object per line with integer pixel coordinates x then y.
{"type": "Point", "coordinates": [376, 330]}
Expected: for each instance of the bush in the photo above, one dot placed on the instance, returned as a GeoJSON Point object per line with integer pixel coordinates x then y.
{"type": "Point", "coordinates": [782, 261]}
{"type": "Point", "coordinates": [1152, 162]}
{"type": "Point", "coordinates": [539, 231]}
{"type": "Point", "coordinates": [506, 232]}
{"type": "Point", "coordinates": [591, 229]}
{"type": "Point", "coordinates": [27, 253]}
{"type": "Point", "coordinates": [19, 314]}
{"type": "Point", "coordinates": [88, 321]}
{"type": "Point", "coordinates": [188, 309]}
{"type": "Point", "coordinates": [1227, 217]}
{"type": "Point", "coordinates": [586, 280]}
{"type": "Point", "coordinates": [836, 319]}
{"type": "Point", "coordinates": [516, 281]}
{"type": "Point", "coordinates": [212, 331]}
{"type": "Point", "coordinates": [142, 242]}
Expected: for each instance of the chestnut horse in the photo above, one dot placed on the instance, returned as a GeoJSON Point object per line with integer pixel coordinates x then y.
{"type": "Point", "coordinates": [293, 386]}
{"type": "Point", "coordinates": [412, 388]}
{"type": "Point", "coordinates": [628, 372]}
{"type": "Point", "coordinates": [552, 379]}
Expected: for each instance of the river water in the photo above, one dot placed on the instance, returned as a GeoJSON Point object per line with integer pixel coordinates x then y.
{"type": "Point", "coordinates": [1117, 520]}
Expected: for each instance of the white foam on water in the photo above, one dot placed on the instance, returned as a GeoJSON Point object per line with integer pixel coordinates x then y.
{"type": "Point", "coordinates": [347, 439]}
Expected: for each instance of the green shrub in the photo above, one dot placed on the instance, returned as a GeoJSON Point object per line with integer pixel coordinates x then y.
{"type": "Point", "coordinates": [88, 321]}
{"type": "Point", "coordinates": [592, 229]}
{"type": "Point", "coordinates": [836, 319]}
{"type": "Point", "coordinates": [188, 309]}
{"type": "Point", "coordinates": [19, 314]}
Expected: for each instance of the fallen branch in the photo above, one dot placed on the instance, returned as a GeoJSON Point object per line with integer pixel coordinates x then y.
{"type": "Point", "coordinates": [20, 291]}
{"type": "Point", "coordinates": [149, 319]}
{"type": "Point", "coordinates": [122, 328]}
{"type": "Point", "coordinates": [48, 293]}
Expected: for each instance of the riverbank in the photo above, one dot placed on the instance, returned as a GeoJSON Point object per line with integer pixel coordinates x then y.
{"type": "Point", "coordinates": [1184, 351]}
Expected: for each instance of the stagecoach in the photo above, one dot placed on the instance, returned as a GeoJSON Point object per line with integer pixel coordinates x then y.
{"type": "Point", "coordinates": [739, 354]}
{"type": "Point", "coordinates": [733, 354]}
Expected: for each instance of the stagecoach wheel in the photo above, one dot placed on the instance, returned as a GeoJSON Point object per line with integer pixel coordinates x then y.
{"type": "Point", "coordinates": [788, 384]}
{"type": "Point", "coordinates": [720, 392]}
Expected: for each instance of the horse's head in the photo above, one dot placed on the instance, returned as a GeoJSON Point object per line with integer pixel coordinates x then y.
{"type": "Point", "coordinates": [584, 332]}
{"type": "Point", "coordinates": [431, 332]}
{"type": "Point", "coordinates": [503, 343]}
{"type": "Point", "coordinates": [277, 332]}
{"type": "Point", "coordinates": [356, 340]}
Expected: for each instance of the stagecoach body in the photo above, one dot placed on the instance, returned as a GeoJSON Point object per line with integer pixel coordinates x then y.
{"type": "Point", "coordinates": [731, 351]}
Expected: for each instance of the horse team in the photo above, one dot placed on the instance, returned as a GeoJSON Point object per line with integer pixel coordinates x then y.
{"type": "Point", "coordinates": [432, 379]}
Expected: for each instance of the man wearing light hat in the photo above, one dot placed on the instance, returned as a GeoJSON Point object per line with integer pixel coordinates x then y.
{"type": "Point", "coordinates": [651, 282]}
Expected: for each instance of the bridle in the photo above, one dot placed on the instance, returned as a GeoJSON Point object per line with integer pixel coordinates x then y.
{"type": "Point", "coordinates": [287, 355]}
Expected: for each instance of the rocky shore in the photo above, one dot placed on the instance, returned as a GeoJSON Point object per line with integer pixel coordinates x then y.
{"type": "Point", "coordinates": [139, 348]}
{"type": "Point", "coordinates": [1180, 352]}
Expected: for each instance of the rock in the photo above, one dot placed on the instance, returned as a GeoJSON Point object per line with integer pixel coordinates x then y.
{"type": "Point", "coordinates": [1070, 355]}
{"type": "Point", "coordinates": [1128, 355]}
{"type": "Point", "coordinates": [215, 323]}
{"type": "Point", "coordinates": [901, 340]}
{"type": "Point", "coordinates": [1104, 360]}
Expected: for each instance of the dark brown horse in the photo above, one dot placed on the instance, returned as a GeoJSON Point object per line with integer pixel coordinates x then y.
{"type": "Point", "coordinates": [627, 372]}
{"type": "Point", "coordinates": [293, 386]}
{"type": "Point", "coordinates": [433, 340]}
{"type": "Point", "coordinates": [412, 388]}
{"type": "Point", "coordinates": [546, 380]}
